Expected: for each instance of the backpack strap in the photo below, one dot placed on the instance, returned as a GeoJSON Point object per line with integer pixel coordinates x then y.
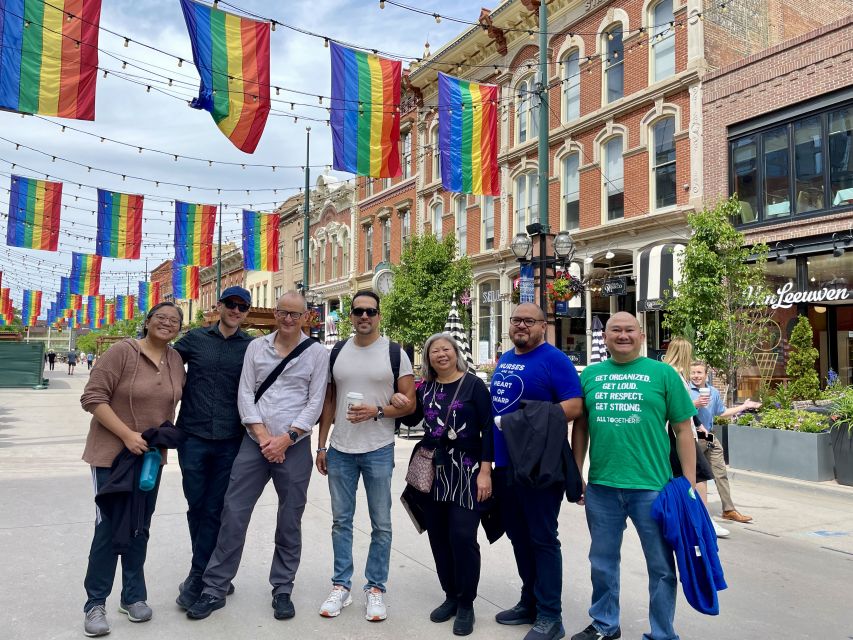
{"type": "Point", "coordinates": [275, 373]}
{"type": "Point", "coordinates": [336, 351]}
{"type": "Point", "coordinates": [394, 354]}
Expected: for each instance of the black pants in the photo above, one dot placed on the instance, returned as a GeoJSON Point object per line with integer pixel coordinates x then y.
{"type": "Point", "coordinates": [101, 571]}
{"type": "Point", "coordinates": [206, 469]}
{"type": "Point", "coordinates": [530, 519]}
{"type": "Point", "coordinates": [452, 534]}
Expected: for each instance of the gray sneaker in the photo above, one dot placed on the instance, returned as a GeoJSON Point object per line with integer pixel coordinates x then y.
{"type": "Point", "coordinates": [95, 623]}
{"type": "Point", "coordinates": [136, 612]}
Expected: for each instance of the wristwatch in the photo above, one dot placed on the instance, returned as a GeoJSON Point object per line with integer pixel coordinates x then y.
{"type": "Point", "coordinates": [293, 435]}
{"type": "Point", "coordinates": [379, 413]}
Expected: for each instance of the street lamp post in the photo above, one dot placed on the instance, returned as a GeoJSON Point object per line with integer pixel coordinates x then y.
{"type": "Point", "coordinates": [563, 248]}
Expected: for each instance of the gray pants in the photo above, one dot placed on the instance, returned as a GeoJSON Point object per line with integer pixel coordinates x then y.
{"type": "Point", "coordinates": [249, 476]}
{"type": "Point", "coordinates": [714, 455]}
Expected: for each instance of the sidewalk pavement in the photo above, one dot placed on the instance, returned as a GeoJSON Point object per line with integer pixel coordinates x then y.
{"type": "Point", "coordinates": [779, 569]}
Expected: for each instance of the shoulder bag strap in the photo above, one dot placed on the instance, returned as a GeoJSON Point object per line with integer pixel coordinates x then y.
{"type": "Point", "coordinates": [275, 373]}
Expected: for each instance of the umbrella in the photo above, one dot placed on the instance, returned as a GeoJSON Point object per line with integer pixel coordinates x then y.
{"type": "Point", "coordinates": [331, 331]}
{"type": "Point", "coordinates": [599, 351]}
{"type": "Point", "coordinates": [454, 327]}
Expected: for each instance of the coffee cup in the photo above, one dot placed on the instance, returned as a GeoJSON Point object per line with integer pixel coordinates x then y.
{"type": "Point", "coordinates": [354, 398]}
{"type": "Point", "coordinates": [704, 392]}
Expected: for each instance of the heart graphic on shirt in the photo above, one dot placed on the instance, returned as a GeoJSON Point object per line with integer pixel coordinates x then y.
{"type": "Point", "coordinates": [512, 387]}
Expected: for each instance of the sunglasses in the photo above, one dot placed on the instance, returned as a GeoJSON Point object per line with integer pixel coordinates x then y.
{"type": "Point", "coordinates": [360, 311]}
{"type": "Point", "coordinates": [242, 307]}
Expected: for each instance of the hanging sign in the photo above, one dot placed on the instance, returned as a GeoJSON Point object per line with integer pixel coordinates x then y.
{"type": "Point", "coordinates": [614, 287]}
{"type": "Point", "coordinates": [786, 297]}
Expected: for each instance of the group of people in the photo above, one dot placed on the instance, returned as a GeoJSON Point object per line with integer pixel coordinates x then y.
{"type": "Point", "coordinates": [71, 358]}
{"type": "Point", "coordinates": [271, 391]}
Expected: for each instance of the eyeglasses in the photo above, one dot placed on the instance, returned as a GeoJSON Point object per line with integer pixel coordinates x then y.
{"type": "Point", "coordinates": [293, 315]}
{"type": "Point", "coordinates": [360, 311]}
{"type": "Point", "coordinates": [242, 307]}
{"type": "Point", "coordinates": [527, 322]}
{"type": "Point", "coordinates": [169, 320]}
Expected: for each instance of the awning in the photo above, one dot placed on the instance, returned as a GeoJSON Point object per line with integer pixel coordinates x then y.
{"type": "Point", "coordinates": [657, 270]}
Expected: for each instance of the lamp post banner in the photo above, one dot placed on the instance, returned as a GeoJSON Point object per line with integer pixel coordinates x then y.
{"type": "Point", "coordinates": [526, 289]}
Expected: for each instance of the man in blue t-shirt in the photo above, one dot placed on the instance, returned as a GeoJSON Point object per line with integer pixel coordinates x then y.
{"type": "Point", "coordinates": [533, 370]}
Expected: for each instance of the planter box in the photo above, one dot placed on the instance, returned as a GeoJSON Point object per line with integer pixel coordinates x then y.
{"type": "Point", "coordinates": [842, 449]}
{"type": "Point", "coordinates": [805, 456]}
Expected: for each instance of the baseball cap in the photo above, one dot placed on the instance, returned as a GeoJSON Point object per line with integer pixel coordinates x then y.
{"type": "Point", "coordinates": [237, 292]}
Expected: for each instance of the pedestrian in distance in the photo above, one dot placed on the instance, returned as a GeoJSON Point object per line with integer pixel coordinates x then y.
{"type": "Point", "coordinates": [709, 405]}
{"type": "Point", "coordinates": [90, 357]}
{"type": "Point", "coordinates": [628, 400]}
{"type": "Point", "coordinates": [72, 361]}
{"type": "Point", "coordinates": [135, 387]}
{"type": "Point", "coordinates": [534, 370]}
{"type": "Point", "coordinates": [281, 391]}
{"type": "Point", "coordinates": [456, 409]}
{"type": "Point", "coordinates": [365, 372]}
{"type": "Point", "coordinates": [210, 418]}
{"type": "Point", "coordinates": [51, 359]}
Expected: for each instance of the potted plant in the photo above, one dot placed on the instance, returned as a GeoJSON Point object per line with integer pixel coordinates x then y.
{"type": "Point", "coordinates": [794, 443]}
{"type": "Point", "coordinates": [801, 369]}
{"type": "Point", "coordinates": [564, 287]}
{"type": "Point", "coordinates": [842, 436]}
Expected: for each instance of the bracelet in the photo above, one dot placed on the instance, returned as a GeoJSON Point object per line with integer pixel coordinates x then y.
{"type": "Point", "coordinates": [323, 449]}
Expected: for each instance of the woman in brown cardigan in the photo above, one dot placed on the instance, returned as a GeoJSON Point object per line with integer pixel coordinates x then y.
{"type": "Point", "coordinates": [135, 385]}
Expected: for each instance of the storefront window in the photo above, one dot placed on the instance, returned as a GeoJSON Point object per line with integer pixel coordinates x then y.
{"type": "Point", "coordinates": [489, 325]}
{"type": "Point", "coordinates": [776, 183]}
{"type": "Point", "coordinates": [808, 164]}
{"type": "Point", "coordinates": [841, 156]}
{"type": "Point", "coordinates": [745, 177]}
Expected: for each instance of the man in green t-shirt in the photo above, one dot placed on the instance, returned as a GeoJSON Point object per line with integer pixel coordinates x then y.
{"type": "Point", "coordinates": [628, 401]}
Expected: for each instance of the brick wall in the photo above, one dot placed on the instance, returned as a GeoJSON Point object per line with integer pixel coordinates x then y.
{"type": "Point", "coordinates": [795, 71]}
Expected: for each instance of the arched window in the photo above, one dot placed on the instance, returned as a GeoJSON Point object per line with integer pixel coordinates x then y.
{"type": "Point", "coordinates": [460, 214]}
{"type": "Point", "coordinates": [436, 156]}
{"type": "Point", "coordinates": [368, 248]}
{"type": "Point", "coordinates": [526, 202]}
{"type": "Point", "coordinates": [571, 86]}
{"type": "Point", "coordinates": [322, 276]}
{"type": "Point", "coordinates": [345, 266]}
{"type": "Point", "coordinates": [614, 179]}
{"type": "Point", "coordinates": [386, 239]}
{"type": "Point", "coordinates": [526, 111]}
{"type": "Point", "coordinates": [662, 40]}
{"type": "Point", "coordinates": [335, 250]}
{"type": "Point", "coordinates": [406, 153]}
{"type": "Point", "coordinates": [614, 67]}
{"type": "Point", "coordinates": [571, 192]}
{"type": "Point", "coordinates": [436, 212]}
{"type": "Point", "coordinates": [663, 163]}
{"type": "Point", "coordinates": [487, 211]}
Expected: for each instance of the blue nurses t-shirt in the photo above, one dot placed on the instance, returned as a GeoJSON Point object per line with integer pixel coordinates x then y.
{"type": "Point", "coordinates": [545, 374]}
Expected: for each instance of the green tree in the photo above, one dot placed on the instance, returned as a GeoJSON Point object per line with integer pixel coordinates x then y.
{"type": "Point", "coordinates": [425, 281]}
{"type": "Point", "coordinates": [719, 303]}
{"type": "Point", "coordinates": [344, 320]}
{"type": "Point", "coordinates": [127, 328]}
{"type": "Point", "coordinates": [805, 384]}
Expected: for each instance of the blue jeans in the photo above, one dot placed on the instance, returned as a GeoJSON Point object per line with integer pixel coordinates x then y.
{"type": "Point", "coordinates": [375, 467]}
{"type": "Point", "coordinates": [206, 468]}
{"type": "Point", "coordinates": [607, 510]}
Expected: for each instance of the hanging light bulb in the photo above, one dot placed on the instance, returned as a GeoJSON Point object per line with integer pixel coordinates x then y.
{"type": "Point", "coordinates": [381, 4]}
{"type": "Point", "coordinates": [437, 18]}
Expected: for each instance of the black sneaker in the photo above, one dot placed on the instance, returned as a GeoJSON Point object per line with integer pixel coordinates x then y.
{"type": "Point", "coordinates": [204, 606]}
{"type": "Point", "coordinates": [464, 623]}
{"type": "Point", "coordinates": [591, 633]}
{"type": "Point", "coordinates": [519, 614]}
{"type": "Point", "coordinates": [189, 591]}
{"type": "Point", "coordinates": [284, 608]}
{"type": "Point", "coordinates": [545, 629]}
{"type": "Point", "coordinates": [444, 612]}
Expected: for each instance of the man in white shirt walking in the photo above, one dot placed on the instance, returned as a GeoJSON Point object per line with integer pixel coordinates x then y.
{"type": "Point", "coordinates": [279, 413]}
{"type": "Point", "coordinates": [362, 444]}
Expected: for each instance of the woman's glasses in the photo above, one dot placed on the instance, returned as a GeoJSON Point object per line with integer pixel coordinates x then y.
{"type": "Point", "coordinates": [169, 320]}
{"type": "Point", "coordinates": [242, 307]}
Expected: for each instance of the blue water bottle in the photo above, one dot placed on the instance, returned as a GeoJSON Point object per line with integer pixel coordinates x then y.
{"type": "Point", "coordinates": [150, 469]}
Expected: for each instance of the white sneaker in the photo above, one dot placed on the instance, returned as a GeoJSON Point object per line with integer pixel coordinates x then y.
{"type": "Point", "coordinates": [374, 605]}
{"type": "Point", "coordinates": [337, 600]}
{"type": "Point", "coordinates": [720, 531]}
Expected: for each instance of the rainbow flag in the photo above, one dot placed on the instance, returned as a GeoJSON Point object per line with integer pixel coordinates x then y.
{"type": "Point", "coordinates": [85, 274]}
{"type": "Point", "coordinates": [149, 295]}
{"type": "Point", "coordinates": [184, 282]}
{"type": "Point", "coordinates": [49, 61]}
{"type": "Point", "coordinates": [7, 313]}
{"type": "Point", "coordinates": [34, 207]}
{"type": "Point", "coordinates": [194, 233]}
{"type": "Point", "coordinates": [365, 113]}
{"type": "Point", "coordinates": [96, 306]}
{"type": "Point", "coordinates": [111, 314]}
{"type": "Point", "coordinates": [260, 241]}
{"type": "Point", "coordinates": [124, 307]}
{"type": "Point", "coordinates": [232, 56]}
{"type": "Point", "coordinates": [468, 136]}
{"type": "Point", "coordinates": [119, 225]}
{"type": "Point", "coordinates": [78, 319]}
{"type": "Point", "coordinates": [30, 307]}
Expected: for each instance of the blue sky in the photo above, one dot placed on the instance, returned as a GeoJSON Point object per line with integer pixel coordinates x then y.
{"type": "Point", "coordinates": [126, 112]}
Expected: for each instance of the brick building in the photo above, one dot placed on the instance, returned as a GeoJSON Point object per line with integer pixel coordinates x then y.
{"type": "Point", "coordinates": [232, 274]}
{"type": "Point", "coordinates": [779, 132]}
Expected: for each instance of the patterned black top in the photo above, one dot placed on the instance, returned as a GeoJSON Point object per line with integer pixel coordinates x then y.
{"type": "Point", "coordinates": [214, 364]}
{"type": "Point", "coordinates": [461, 433]}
